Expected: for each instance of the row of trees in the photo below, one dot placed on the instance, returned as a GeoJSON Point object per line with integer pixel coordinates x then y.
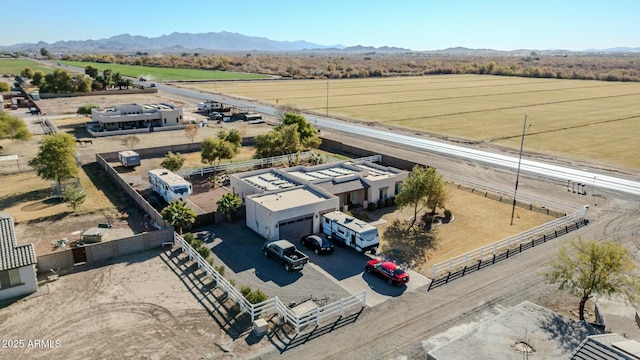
{"type": "Point", "coordinates": [624, 67]}
{"type": "Point", "coordinates": [61, 81]}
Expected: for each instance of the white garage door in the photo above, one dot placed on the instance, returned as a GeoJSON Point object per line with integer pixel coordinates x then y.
{"type": "Point", "coordinates": [294, 229]}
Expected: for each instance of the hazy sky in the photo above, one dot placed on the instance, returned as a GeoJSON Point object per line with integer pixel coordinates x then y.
{"type": "Point", "coordinates": [412, 24]}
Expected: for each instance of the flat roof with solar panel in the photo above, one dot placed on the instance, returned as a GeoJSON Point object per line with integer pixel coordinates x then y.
{"type": "Point", "coordinates": [269, 181]}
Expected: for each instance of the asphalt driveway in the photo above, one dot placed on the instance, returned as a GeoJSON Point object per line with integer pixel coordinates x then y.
{"type": "Point", "coordinates": [327, 278]}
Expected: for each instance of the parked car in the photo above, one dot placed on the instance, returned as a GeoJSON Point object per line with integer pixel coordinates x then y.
{"type": "Point", "coordinates": [152, 85]}
{"type": "Point", "coordinates": [387, 270]}
{"type": "Point", "coordinates": [318, 243]}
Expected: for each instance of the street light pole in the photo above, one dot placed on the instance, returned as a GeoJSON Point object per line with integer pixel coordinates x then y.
{"type": "Point", "coordinates": [513, 209]}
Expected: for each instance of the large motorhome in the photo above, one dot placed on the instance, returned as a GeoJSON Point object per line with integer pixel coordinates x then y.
{"type": "Point", "coordinates": [171, 186]}
{"type": "Point", "coordinates": [352, 232]}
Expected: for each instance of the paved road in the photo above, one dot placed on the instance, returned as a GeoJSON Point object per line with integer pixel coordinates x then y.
{"type": "Point", "coordinates": [560, 173]}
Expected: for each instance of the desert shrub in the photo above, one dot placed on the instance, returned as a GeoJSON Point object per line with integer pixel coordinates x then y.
{"type": "Point", "coordinates": [381, 203]}
{"type": "Point", "coordinates": [447, 214]}
{"type": "Point", "coordinates": [245, 290]}
{"type": "Point", "coordinates": [189, 238]}
{"type": "Point", "coordinates": [256, 297]}
{"type": "Point", "coordinates": [388, 202]}
{"type": "Point", "coordinates": [220, 269]}
{"type": "Point", "coordinates": [232, 282]}
{"type": "Point", "coordinates": [204, 252]}
{"type": "Point", "coordinates": [210, 260]}
{"type": "Point", "coordinates": [363, 216]}
{"type": "Point", "coordinates": [372, 206]}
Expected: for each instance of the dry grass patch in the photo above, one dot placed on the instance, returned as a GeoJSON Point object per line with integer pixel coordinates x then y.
{"type": "Point", "coordinates": [480, 108]}
{"type": "Point", "coordinates": [26, 197]}
{"type": "Point", "coordinates": [477, 222]}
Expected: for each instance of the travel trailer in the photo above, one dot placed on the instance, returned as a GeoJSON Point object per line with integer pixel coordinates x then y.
{"type": "Point", "coordinates": [352, 232]}
{"type": "Point", "coordinates": [171, 186]}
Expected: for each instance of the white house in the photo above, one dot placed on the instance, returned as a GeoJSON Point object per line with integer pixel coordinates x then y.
{"type": "Point", "coordinates": [17, 263]}
{"type": "Point", "coordinates": [131, 118]}
{"type": "Point", "coordinates": [354, 182]}
{"type": "Point", "coordinates": [289, 203]}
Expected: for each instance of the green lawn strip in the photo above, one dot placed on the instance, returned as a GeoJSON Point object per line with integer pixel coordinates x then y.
{"type": "Point", "coordinates": [15, 66]}
{"type": "Point", "coordinates": [160, 74]}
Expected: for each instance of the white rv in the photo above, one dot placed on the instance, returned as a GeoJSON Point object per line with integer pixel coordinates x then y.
{"type": "Point", "coordinates": [352, 232]}
{"type": "Point", "coordinates": [169, 185]}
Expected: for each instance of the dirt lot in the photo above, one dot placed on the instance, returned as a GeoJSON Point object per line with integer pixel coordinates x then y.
{"type": "Point", "coordinates": [145, 292]}
{"type": "Point", "coordinates": [135, 307]}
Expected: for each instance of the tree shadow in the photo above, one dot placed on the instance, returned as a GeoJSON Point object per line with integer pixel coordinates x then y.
{"type": "Point", "coordinates": [409, 244]}
{"type": "Point", "coordinates": [11, 200]}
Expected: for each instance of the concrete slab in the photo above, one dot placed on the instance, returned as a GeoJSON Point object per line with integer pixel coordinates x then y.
{"type": "Point", "coordinates": [618, 317]}
{"type": "Point", "coordinates": [305, 307]}
{"type": "Point", "coordinates": [378, 291]}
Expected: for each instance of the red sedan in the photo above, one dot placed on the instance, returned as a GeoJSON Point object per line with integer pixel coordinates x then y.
{"type": "Point", "coordinates": [387, 270]}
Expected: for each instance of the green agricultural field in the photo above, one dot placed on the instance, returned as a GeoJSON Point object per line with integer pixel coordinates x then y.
{"type": "Point", "coordinates": [15, 66]}
{"type": "Point", "coordinates": [160, 74]}
{"type": "Point", "coordinates": [587, 120]}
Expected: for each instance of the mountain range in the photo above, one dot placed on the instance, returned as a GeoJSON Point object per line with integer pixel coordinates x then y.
{"type": "Point", "coordinates": [233, 42]}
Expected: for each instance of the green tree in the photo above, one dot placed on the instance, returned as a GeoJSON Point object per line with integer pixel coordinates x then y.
{"type": "Point", "coordinates": [82, 83]}
{"type": "Point", "coordinates": [27, 73]}
{"type": "Point", "coordinates": [45, 53]}
{"type": "Point", "coordinates": [178, 215]}
{"type": "Point", "coordinates": [173, 162]}
{"type": "Point", "coordinates": [588, 268]}
{"type": "Point", "coordinates": [225, 147]}
{"type": "Point", "coordinates": [91, 71]}
{"type": "Point", "coordinates": [107, 78]}
{"type": "Point", "coordinates": [12, 127]}
{"type": "Point", "coordinates": [60, 81]}
{"type": "Point", "coordinates": [423, 188]}
{"type": "Point", "coordinates": [308, 134]}
{"type": "Point", "coordinates": [73, 196]}
{"type": "Point", "coordinates": [4, 87]}
{"type": "Point", "coordinates": [228, 204]}
{"type": "Point", "coordinates": [38, 78]}
{"type": "Point", "coordinates": [283, 140]}
{"type": "Point", "coordinates": [86, 109]}
{"type": "Point", "coordinates": [55, 159]}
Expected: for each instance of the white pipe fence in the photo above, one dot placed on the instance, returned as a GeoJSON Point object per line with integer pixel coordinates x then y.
{"type": "Point", "coordinates": [502, 193]}
{"type": "Point", "coordinates": [270, 161]}
{"type": "Point", "coordinates": [490, 251]}
{"type": "Point", "coordinates": [273, 305]}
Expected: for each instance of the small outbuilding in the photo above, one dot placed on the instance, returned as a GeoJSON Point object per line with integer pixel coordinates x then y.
{"type": "Point", "coordinates": [17, 263]}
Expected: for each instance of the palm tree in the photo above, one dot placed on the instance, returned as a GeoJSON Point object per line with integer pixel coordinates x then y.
{"type": "Point", "coordinates": [178, 214]}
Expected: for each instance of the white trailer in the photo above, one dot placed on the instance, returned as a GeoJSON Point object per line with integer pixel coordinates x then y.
{"type": "Point", "coordinates": [352, 232]}
{"type": "Point", "coordinates": [129, 158]}
{"type": "Point", "coordinates": [171, 186]}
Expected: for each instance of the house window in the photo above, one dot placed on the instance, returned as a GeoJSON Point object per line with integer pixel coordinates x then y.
{"type": "Point", "coordinates": [398, 188]}
{"type": "Point", "coordinates": [9, 278]}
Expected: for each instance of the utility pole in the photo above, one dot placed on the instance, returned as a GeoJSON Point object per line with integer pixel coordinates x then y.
{"type": "Point", "coordinates": [513, 209]}
{"type": "Point", "coordinates": [327, 97]}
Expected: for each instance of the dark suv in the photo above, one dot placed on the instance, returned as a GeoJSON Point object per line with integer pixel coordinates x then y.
{"type": "Point", "coordinates": [318, 243]}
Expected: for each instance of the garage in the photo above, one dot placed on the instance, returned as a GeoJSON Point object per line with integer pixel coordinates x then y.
{"type": "Point", "coordinates": [294, 229]}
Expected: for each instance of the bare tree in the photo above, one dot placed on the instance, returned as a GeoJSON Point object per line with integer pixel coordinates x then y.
{"type": "Point", "coordinates": [191, 131]}
{"type": "Point", "coordinates": [131, 141]}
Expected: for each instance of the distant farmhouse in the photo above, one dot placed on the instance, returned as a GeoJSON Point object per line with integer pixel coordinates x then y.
{"type": "Point", "coordinates": [17, 263]}
{"type": "Point", "coordinates": [135, 118]}
{"type": "Point", "coordinates": [289, 203]}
